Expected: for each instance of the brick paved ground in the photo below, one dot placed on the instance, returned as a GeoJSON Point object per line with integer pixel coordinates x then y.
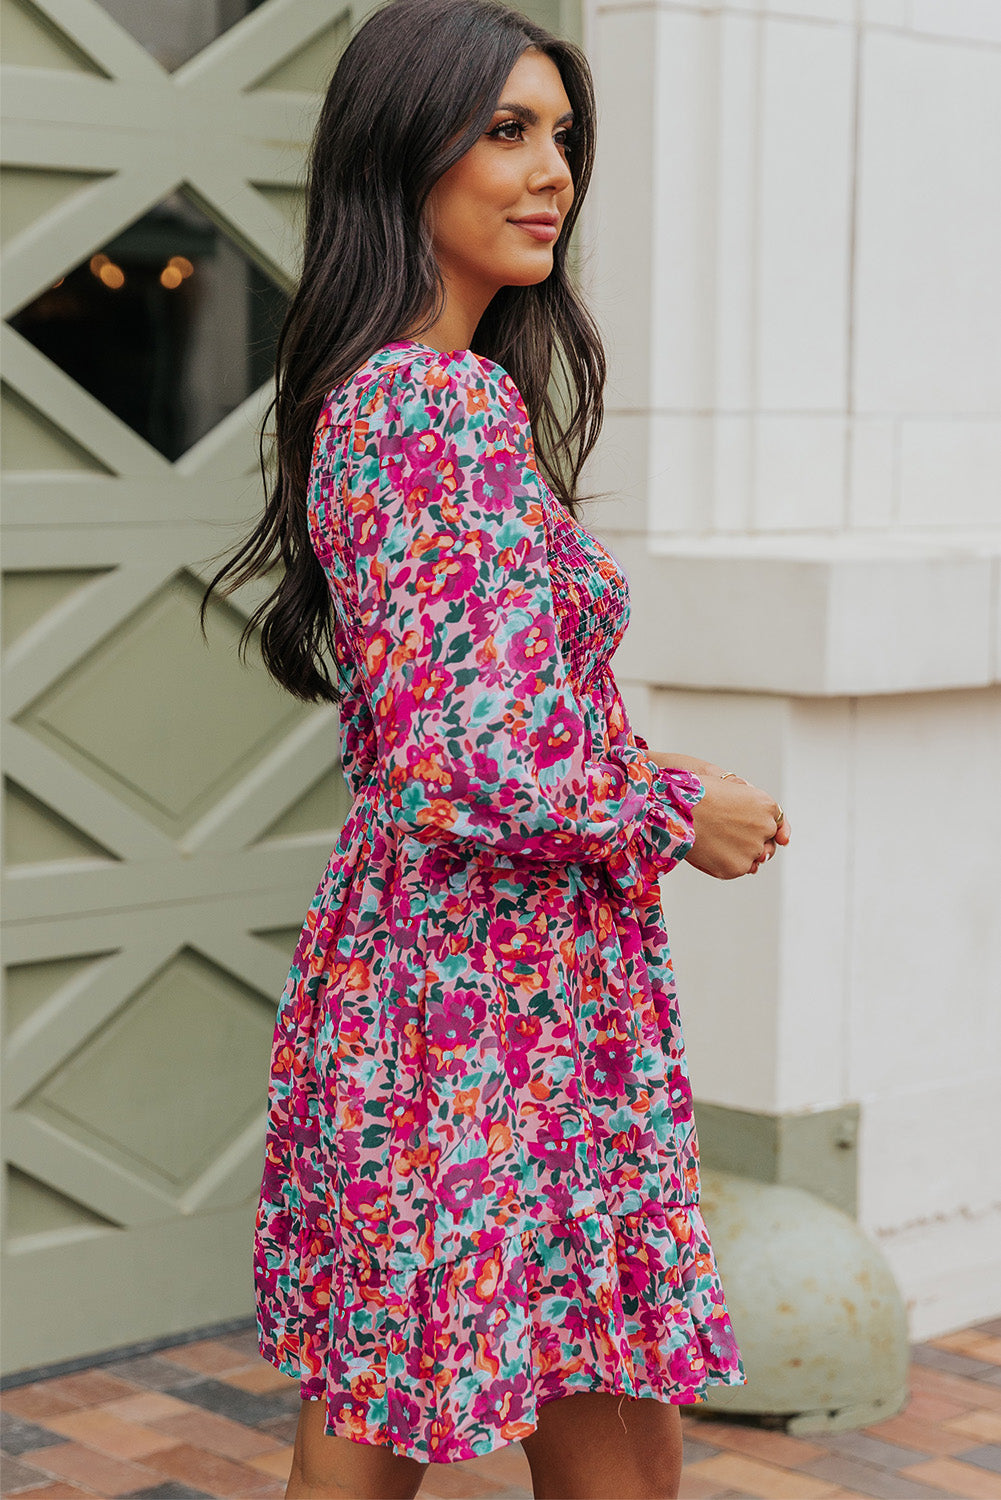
{"type": "Point", "coordinates": [211, 1418]}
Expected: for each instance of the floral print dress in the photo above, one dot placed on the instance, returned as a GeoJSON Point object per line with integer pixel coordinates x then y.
{"type": "Point", "coordinates": [481, 1186]}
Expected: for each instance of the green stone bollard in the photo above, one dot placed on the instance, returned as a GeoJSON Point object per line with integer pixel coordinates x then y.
{"type": "Point", "coordinates": [818, 1317]}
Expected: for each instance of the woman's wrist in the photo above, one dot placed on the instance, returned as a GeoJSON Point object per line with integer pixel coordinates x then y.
{"type": "Point", "coordinates": [670, 761]}
{"type": "Point", "coordinates": [683, 787]}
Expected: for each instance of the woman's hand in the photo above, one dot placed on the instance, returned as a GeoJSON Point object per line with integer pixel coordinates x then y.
{"type": "Point", "coordinates": [737, 825]}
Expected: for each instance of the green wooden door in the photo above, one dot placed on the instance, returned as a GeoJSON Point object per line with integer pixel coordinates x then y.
{"type": "Point", "coordinates": [167, 812]}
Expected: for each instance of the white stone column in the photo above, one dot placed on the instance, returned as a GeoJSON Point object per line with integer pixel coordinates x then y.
{"type": "Point", "coordinates": [793, 250]}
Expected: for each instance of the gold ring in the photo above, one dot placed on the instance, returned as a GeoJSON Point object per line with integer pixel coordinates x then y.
{"type": "Point", "coordinates": [781, 817]}
{"type": "Point", "coordinates": [728, 773]}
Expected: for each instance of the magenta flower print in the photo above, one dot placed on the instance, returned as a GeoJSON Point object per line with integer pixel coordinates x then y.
{"type": "Point", "coordinates": [680, 1093]}
{"type": "Point", "coordinates": [462, 1185]}
{"type": "Point", "coordinates": [531, 647]}
{"type": "Point", "coordinates": [499, 474]}
{"type": "Point", "coordinates": [556, 741]}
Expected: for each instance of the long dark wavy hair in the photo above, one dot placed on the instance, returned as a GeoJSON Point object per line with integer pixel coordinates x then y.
{"type": "Point", "coordinates": [413, 91]}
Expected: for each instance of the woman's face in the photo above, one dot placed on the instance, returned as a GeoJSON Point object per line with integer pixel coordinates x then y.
{"type": "Point", "coordinates": [516, 172]}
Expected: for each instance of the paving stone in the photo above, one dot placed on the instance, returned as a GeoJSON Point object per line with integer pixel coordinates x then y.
{"type": "Point", "coordinates": [283, 1428]}
{"type": "Point", "coordinates": [154, 1373]}
{"type": "Point", "coordinates": [58, 1490]}
{"type": "Point", "coordinates": [695, 1451]}
{"type": "Point", "coordinates": [866, 1479]}
{"type": "Point", "coordinates": [90, 1387]}
{"type": "Point", "coordinates": [986, 1457]}
{"type": "Point", "coordinates": [259, 1377]}
{"type": "Point", "coordinates": [926, 1437]}
{"type": "Point", "coordinates": [146, 1407]}
{"type": "Point", "coordinates": [207, 1357]}
{"type": "Point", "coordinates": [35, 1402]}
{"type": "Point", "coordinates": [194, 1466]}
{"type": "Point", "coordinates": [694, 1487]}
{"type": "Point", "coordinates": [739, 1471]}
{"type": "Point", "coordinates": [18, 1476]}
{"type": "Point", "coordinates": [17, 1434]}
{"type": "Point", "coordinates": [871, 1450]}
{"type": "Point", "coordinates": [240, 1406]}
{"type": "Point", "coordinates": [505, 1466]}
{"type": "Point", "coordinates": [169, 1491]}
{"type": "Point", "coordinates": [277, 1464]}
{"type": "Point", "coordinates": [985, 1425]}
{"type": "Point", "coordinates": [96, 1427]}
{"type": "Point", "coordinates": [972, 1342]}
{"type": "Point", "coordinates": [966, 1480]}
{"type": "Point", "coordinates": [929, 1407]}
{"type": "Point", "coordinates": [108, 1476]}
{"type": "Point", "coordinates": [245, 1342]}
{"type": "Point", "coordinates": [206, 1429]}
{"type": "Point", "coordinates": [951, 1364]}
{"type": "Point", "coordinates": [455, 1482]}
{"type": "Point", "coordinates": [770, 1446]}
{"type": "Point", "coordinates": [969, 1393]}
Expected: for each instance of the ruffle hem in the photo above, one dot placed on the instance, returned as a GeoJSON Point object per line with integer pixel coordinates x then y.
{"type": "Point", "coordinates": [453, 1362]}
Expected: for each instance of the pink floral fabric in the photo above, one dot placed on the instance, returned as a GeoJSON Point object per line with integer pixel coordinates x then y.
{"type": "Point", "coordinates": [481, 1187]}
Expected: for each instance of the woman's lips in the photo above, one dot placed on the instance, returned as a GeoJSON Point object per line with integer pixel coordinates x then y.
{"type": "Point", "coordinates": [538, 230]}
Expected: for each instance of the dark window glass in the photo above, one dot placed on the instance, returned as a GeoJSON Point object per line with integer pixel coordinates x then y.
{"type": "Point", "coordinates": [174, 30]}
{"type": "Point", "coordinates": [169, 324]}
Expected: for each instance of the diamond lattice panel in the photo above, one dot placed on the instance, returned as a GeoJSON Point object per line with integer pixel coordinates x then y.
{"type": "Point", "coordinates": [196, 721]}
{"type": "Point", "coordinates": [27, 195]}
{"type": "Point", "coordinates": [172, 1079]}
{"type": "Point", "coordinates": [31, 988]}
{"type": "Point", "coordinates": [174, 32]}
{"type": "Point", "coordinates": [29, 42]}
{"type": "Point", "coordinates": [35, 835]}
{"type": "Point", "coordinates": [308, 70]}
{"type": "Point", "coordinates": [169, 324]}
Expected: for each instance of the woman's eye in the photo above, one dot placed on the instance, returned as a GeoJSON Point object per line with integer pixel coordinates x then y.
{"type": "Point", "coordinates": [514, 130]}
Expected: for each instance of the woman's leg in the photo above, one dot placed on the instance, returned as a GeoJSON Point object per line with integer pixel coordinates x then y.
{"type": "Point", "coordinates": [335, 1468]}
{"type": "Point", "coordinates": [579, 1450]}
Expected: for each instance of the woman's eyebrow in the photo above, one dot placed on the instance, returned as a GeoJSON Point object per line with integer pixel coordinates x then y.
{"type": "Point", "coordinates": [528, 116]}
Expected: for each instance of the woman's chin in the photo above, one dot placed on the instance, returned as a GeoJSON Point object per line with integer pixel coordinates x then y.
{"type": "Point", "coordinates": [531, 273]}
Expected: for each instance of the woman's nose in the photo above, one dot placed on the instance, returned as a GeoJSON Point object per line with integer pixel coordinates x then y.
{"type": "Point", "coordinates": [552, 172]}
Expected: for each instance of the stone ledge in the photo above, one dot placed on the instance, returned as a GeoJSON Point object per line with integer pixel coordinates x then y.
{"type": "Point", "coordinates": [811, 615]}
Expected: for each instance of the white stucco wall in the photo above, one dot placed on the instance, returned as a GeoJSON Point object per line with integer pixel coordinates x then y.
{"type": "Point", "coordinates": [793, 250]}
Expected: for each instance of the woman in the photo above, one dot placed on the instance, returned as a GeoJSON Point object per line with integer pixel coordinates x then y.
{"type": "Point", "coordinates": [479, 1215]}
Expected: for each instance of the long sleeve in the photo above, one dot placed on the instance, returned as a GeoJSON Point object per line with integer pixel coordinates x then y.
{"type": "Point", "coordinates": [481, 743]}
{"type": "Point", "coordinates": [667, 833]}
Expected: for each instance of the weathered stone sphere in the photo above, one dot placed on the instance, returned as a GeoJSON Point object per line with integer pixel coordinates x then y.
{"type": "Point", "coordinates": [818, 1317]}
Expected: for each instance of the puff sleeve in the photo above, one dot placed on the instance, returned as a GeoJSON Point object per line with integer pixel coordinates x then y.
{"type": "Point", "coordinates": [481, 744]}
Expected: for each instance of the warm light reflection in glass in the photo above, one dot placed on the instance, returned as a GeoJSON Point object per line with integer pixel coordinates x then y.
{"type": "Point", "coordinates": [169, 323]}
